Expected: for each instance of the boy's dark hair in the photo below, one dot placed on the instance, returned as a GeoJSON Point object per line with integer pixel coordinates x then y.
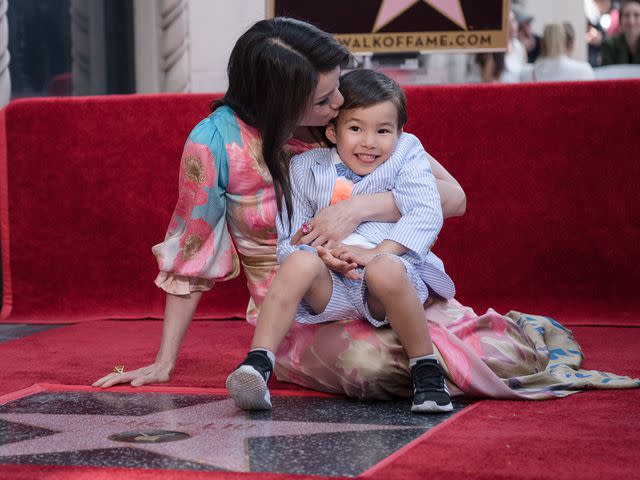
{"type": "Point", "coordinates": [273, 72]}
{"type": "Point", "coordinates": [364, 88]}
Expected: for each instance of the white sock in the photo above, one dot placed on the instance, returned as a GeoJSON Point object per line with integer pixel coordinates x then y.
{"type": "Point", "coordinates": [414, 360]}
{"type": "Point", "coordinates": [270, 354]}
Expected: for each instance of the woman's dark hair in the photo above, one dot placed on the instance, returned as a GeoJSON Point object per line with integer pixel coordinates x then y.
{"type": "Point", "coordinates": [273, 72]}
{"type": "Point", "coordinates": [363, 88]}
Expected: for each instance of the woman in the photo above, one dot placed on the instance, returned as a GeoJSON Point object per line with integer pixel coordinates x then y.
{"type": "Point", "coordinates": [253, 121]}
{"type": "Point", "coordinates": [555, 65]}
{"type": "Point", "coordinates": [625, 46]}
{"type": "Point", "coordinates": [283, 82]}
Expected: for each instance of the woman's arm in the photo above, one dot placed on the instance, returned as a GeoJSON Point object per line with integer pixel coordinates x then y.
{"type": "Point", "coordinates": [452, 196]}
{"type": "Point", "coordinates": [186, 266]}
{"type": "Point", "coordinates": [179, 310]}
{"type": "Point", "coordinates": [380, 207]}
{"type": "Point", "coordinates": [336, 222]}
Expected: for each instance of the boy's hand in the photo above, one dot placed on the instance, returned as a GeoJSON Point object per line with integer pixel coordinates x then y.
{"type": "Point", "coordinates": [339, 266]}
{"type": "Point", "coordinates": [352, 254]}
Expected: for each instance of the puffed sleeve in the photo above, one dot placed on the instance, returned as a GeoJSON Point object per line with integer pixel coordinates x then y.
{"type": "Point", "coordinates": [197, 250]}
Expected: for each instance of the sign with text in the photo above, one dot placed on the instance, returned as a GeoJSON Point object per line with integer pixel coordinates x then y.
{"type": "Point", "coordinates": [405, 25]}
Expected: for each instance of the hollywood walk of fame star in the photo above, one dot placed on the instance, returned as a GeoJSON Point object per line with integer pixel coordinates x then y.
{"type": "Point", "coordinates": [392, 9]}
{"type": "Point", "coordinates": [219, 432]}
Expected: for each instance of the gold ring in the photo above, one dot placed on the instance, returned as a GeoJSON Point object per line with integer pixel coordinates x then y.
{"type": "Point", "coordinates": [118, 369]}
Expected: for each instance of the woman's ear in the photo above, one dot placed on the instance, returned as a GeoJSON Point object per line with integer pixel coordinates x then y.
{"type": "Point", "coordinates": [330, 132]}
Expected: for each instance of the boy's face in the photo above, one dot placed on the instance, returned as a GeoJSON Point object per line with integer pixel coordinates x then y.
{"type": "Point", "coordinates": [365, 137]}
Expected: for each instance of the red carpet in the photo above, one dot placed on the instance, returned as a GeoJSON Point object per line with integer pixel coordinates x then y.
{"type": "Point", "coordinates": [588, 435]}
{"type": "Point", "coordinates": [81, 353]}
{"type": "Point", "coordinates": [591, 435]}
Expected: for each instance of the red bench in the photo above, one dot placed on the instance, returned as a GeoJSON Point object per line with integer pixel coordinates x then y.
{"type": "Point", "coordinates": [551, 173]}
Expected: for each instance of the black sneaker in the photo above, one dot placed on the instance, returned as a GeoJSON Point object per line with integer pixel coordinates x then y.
{"type": "Point", "coordinates": [247, 384]}
{"type": "Point", "coordinates": [430, 393]}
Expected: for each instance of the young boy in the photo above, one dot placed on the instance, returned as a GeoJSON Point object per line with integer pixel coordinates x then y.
{"type": "Point", "coordinates": [383, 272]}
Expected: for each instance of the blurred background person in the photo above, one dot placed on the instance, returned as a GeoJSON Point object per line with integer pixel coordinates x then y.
{"type": "Point", "coordinates": [603, 20]}
{"type": "Point", "coordinates": [490, 67]}
{"type": "Point", "coordinates": [554, 65]}
{"type": "Point", "coordinates": [608, 16]}
{"type": "Point", "coordinates": [624, 47]}
{"type": "Point", "coordinates": [516, 55]}
{"type": "Point", "coordinates": [531, 41]}
{"type": "Point", "coordinates": [570, 38]}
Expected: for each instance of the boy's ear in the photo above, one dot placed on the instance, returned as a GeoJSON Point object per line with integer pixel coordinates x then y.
{"type": "Point", "coordinates": [330, 132]}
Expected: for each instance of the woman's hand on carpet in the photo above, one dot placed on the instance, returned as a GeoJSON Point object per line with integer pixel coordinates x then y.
{"type": "Point", "coordinates": [155, 373]}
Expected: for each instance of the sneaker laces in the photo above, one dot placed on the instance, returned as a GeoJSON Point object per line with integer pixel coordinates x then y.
{"type": "Point", "coordinates": [428, 376]}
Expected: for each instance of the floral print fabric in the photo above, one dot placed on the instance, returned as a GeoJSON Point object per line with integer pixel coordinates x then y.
{"type": "Point", "coordinates": [513, 356]}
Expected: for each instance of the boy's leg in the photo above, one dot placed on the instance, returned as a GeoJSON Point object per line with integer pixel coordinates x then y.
{"type": "Point", "coordinates": [302, 276]}
{"type": "Point", "coordinates": [392, 294]}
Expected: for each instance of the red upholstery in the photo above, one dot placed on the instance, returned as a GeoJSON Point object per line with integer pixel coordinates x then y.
{"type": "Point", "coordinates": [550, 170]}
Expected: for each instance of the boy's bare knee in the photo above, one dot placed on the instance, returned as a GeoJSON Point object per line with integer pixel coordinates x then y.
{"type": "Point", "coordinates": [304, 263]}
{"type": "Point", "coordinates": [385, 273]}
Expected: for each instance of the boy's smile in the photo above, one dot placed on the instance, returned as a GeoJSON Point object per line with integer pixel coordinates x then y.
{"type": "Point", "coordinates": [365, 137]}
